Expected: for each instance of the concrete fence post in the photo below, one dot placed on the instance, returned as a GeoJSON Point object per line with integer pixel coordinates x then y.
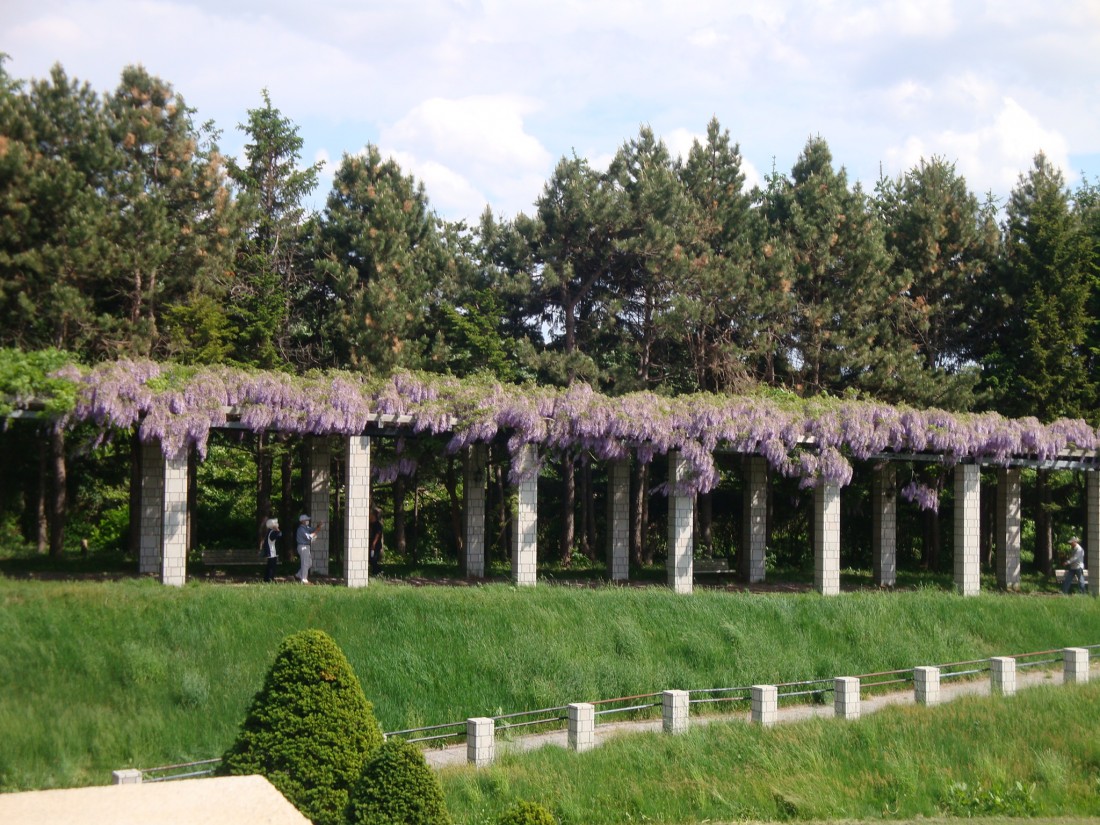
{"type": "Point", "coordinates": [1076, 665]}
{"type": "Point", "coordinates": [765, 704]}
{"type": "Point", "coordinates": [1002, 675]}
{"type": "Point", "coordinates": [480, 741]}
{"type": "Point", "coordinates": [674, 710]}
{"type": "Point", "coordinates": [127, 776]}
{"type": "Point", "coordinates": [926, 683]}
{"type": "Point", "coordinates": [582, 726]}
{"type": "Point", "coordinates": [846, 697]}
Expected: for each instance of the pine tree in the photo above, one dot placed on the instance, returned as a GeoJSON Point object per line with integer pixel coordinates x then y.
{"type": "Point", "coordinates": [943, 244]}
{"type": "Point", "coordinates": [376, 255]}
{"type": "Point", "coordinates": [270, 285]}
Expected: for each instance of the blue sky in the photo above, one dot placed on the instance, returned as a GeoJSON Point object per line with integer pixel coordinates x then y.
{"type": "Point", "coordinates": [480, 98]}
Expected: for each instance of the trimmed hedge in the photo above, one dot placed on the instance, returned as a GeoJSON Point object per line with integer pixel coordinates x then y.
{"type": "Point", "coordinates": [527, 813]}
{"type": "Point", "coordinates": [398, 788]}
{"type": "Point", "coordinates": [309, 730]}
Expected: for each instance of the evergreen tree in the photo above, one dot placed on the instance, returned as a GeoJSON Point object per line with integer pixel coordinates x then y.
{"type": "Point", "coordinates": [844, 302]}
{"type": "Point", "coordinates": [943, 245]}
{"type": "Point", "coordinates": [375, 257]}
{"type": "Point", "coordinates": [270, 282]}
{"type": "Point", "coordinates": [175, 222]}
{"type": "Point", "coordinates": [722, 308]}
{"type": "Point", "coordinates": [1037, 366]}
{"type": "Point", "coordinates": [57, 159]}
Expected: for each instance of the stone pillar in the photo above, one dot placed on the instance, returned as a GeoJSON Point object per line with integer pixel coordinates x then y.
{"type": "Point", "coordinates": [754, 531]}
{"type": "Point", "coordinates": [1092, 531]}
{"type": "Point", "coordinates": [1008, 528]}
{"type": "Point", "coordinates": [151, 547]}
{"type": "Point", "coordinates": [127, 776]}
{"type": "Point", "coordinates": [675, 705]}
{"type": "Point", "coordinates": [473, 508]}
{"type": "Point", "coordinates": [480, 741]}
{"type": "Point", "coordinates": [926, 685]}
{"type": "Point", "coordinates": [174, 569]}
{"type": "Point", "coordinates": [357, 511]}
{"type": "Point", "coordinates": [827, 539]}
{"type": "Point", "coordinates": [582, 726]}
{"type": "Point", "coordinates": [1002, 675]}
{"type": "Point", "coordinates": [681, 525]}
{"type": "Point", "coordinates": [525, 518]}
{"type": "Point", "coordinates": [846, 697]}
{"type": "Point", "coordinates": [967, 528]}
{"type": "Point", "coordinates": [319, 500]}
{"type": "Point", "coordinates": [618, 520]}
{"type": "Point", "coordinates": [1076, 665]}
{"type": "Point", "coordinates": [765, 704]}
{"type": "Point", "coordinates": [884, 524]}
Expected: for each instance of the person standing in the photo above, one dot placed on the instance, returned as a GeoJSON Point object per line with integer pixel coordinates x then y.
{"type": "Point", "coordinates": [1075, 566]}
{"type": "Point", "coordinates": [271, 548]}
{"type": "Point", "coordinates": [304, 540]}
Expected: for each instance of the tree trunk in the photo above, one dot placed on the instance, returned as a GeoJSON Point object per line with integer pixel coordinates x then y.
{"type": "Point", "coordinates": [1044, 529]}
{"type": "Point", "coordinates": [286, 495]}
{"type": "Point", "coordinates": [42, 522]}
{"type": "Point", "coordinates": [192, 496]}
{"type": "Point", "coordinates": [263, 477]}
{"type": "Point", "coordinates": [58, 492]}
{"type": "Point", "coordinates": [568, 506]}
{"type": "Point", "coordinates": [637, 512]}
{"type": "Point", "coordinates": [133, 536]}
{"type": "Point", "coordinates": [588, 512]}
{"type": "Point", "coordinates": [400, 536]}
{"type": "Point", "coordinates": [704, 508]}
{"type": "Point", "coordinates": [450, 481]}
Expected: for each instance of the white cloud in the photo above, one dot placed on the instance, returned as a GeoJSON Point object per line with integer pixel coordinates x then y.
{"type": "Point", "coordinates": [990, 156]}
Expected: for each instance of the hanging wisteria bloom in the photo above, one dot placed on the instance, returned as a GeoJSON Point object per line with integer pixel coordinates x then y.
{"type": "Point", "coordinates": [812, 440]}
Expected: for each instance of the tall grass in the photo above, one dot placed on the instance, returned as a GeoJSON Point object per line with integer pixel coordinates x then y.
{"type": "Point", "coordinates": [1035, 754]}
{"type": "Point", "coordinates": [103, 675]}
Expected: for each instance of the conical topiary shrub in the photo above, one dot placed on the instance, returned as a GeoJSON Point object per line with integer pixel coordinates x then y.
{"type": "Point", "coordinates": [398, 788]}
{"type": "Point", "coordinates": [309, 730]}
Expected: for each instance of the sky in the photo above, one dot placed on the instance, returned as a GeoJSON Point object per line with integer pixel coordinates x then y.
{"type": "Point", "coordinates": [479, 99]}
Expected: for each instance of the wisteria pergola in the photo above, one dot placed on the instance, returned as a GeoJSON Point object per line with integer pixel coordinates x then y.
{"type": "Point", "coordinates": [175, 409]}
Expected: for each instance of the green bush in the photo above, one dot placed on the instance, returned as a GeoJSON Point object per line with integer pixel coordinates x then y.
{"type": "Point", "coordinates": [398, 788]}
{"type": "Point", "coordinates": [527, 813]}
{"type": "Point", "coordinates": [309, 730]}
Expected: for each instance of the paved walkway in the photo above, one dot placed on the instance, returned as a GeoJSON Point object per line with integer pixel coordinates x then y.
{"type": "Point", "coordinates": [949, 689]}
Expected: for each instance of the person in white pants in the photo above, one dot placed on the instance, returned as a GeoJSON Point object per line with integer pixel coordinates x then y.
{"type": "Point", "coordinates": [304, 539]}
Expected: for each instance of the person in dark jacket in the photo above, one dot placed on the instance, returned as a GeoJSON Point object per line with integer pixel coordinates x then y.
{"type": "Point", "coordinates": [271, 548]}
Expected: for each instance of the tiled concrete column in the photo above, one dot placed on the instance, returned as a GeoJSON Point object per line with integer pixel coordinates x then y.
{"type": "Point", "coordinates": [754, 531]}
{"type": "Point", "coordinates": [1092, 531]}
{"type": "Point", "coordinates": [827, 539]}
{"type": "Point", "coordinates": [582, 726]}
{"type": "Point", "coordinates": [163, 546]}
{"type": "Point", "coordinates": [926, 685]}
{"type": "Point", "coordinates": [765, 704]}
{"type": "Point", "coordinates": [319, 502]}
{"type": "Point", "coordinates": [967, 529]}
{"type": "Point", "coordinates": [884, 524]}
{"type": "Point", "coordinates": [1076, 667]}
{"type": "Point", "coordinates": [846, 697]}
{"type": "Point", "coordinates": [127, 776]}
{"type": "Point", "coordinates": [681, 524]}
{"type": "Point", "coordinates": [1008, 528]}
{"type": "Point", "coordinates": [618, 520]}
{"type": "Point", "coordinates": [1002, 675]}
{"type": "Point", "coordinates": [357, 511]}
{"type": "Point", "coordinates": [525, 519]}
{"type": "Point", "coordinates": [473, 508]}
{"type": "Point", "coordinates": [675, 705]}
{"type": "Point", "coordinates": [151, 548]}
{"type": "Point", "coordinates": [480, 741]}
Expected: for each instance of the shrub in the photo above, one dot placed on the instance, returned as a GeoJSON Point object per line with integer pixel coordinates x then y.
{"type": "Point", "coordinates": [527, 813]}
{"type": "Point", "coordinates": [309, 730]}
{"type": "Point", "coordinates": [398, 788]}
